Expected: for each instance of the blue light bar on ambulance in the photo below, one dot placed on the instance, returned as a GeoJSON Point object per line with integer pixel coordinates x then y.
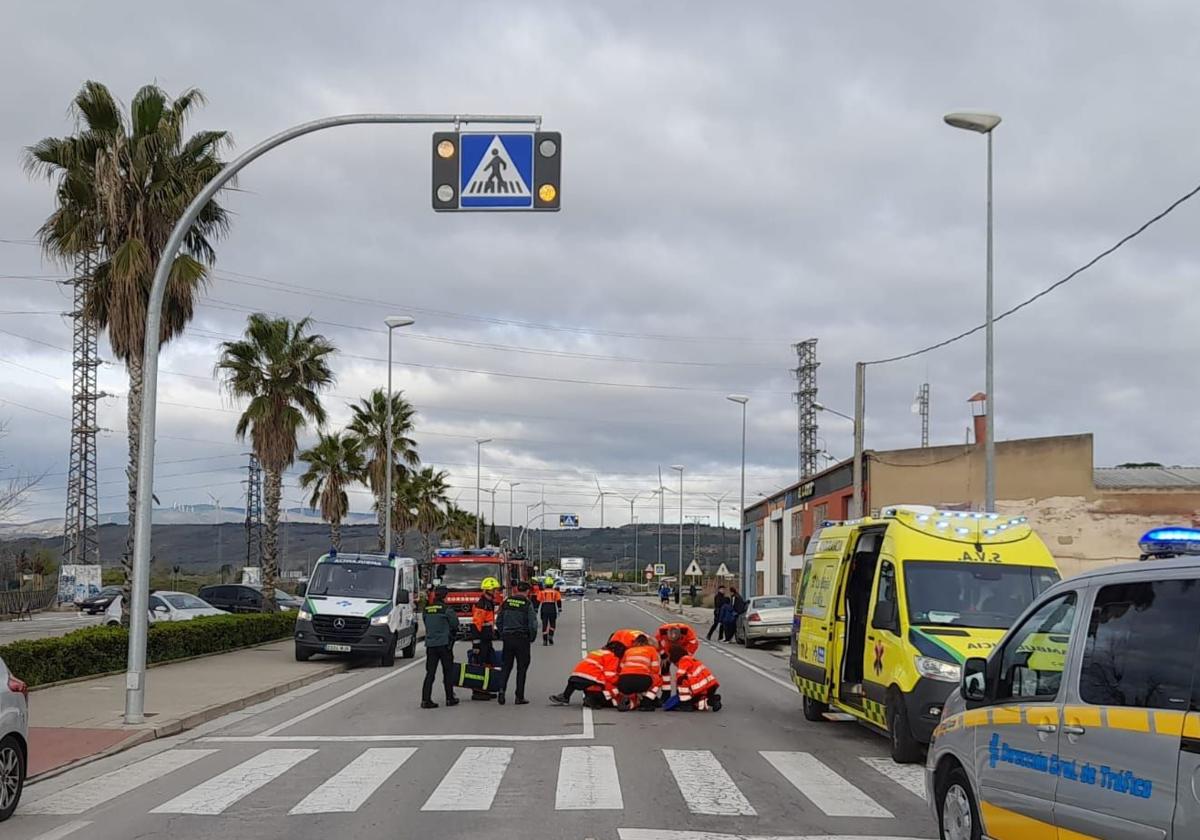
{"type": "Point", "coordinates": [1168, 542]}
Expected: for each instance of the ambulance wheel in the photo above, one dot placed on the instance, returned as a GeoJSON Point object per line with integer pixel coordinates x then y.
{"type": "Point", "coordinates": [958, 814]}
{"type": "Point", "coordinates": [814, 710]}
{"type": "Point", "coordinates": [388, 658]}
{"type": "Point", "coordinates": [410, 649]}
{"type": "Point", "coordinates": [905, 748]}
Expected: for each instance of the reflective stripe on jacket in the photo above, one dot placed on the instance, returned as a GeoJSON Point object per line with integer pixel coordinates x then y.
{"type": "Point", "coordinates": [599, 666]}
{"type": "Point", "coordinates": [483, 614]}
{"type": "Point", "coordinates": [693, 678]}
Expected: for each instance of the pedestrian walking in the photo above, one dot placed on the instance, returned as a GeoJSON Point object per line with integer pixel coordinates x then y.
{"type": "Point", "coordinates": [719, 601]}
{"type": "Point", "coordinates": [692, 593]}
{"type": "Point", "coordinates": [549, 607]}
{"type": "Point", "coordinates": [441, 629]}
{"type": "Point", "coordinates": [664, 594]}
{"type": "Point", "coordinates": [516, 624]}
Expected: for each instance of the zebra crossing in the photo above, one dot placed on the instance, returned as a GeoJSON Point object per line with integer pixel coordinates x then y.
{"type": "Point", "coordinates": [587, 780]}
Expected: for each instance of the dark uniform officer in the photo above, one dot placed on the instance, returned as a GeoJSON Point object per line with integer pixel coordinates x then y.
{"type": "Point", "coordinates": [516, 624]}
{"type": "Point", "coordinates": [441, 628]}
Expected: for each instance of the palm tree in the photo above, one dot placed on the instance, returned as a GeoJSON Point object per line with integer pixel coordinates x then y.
{"type": "Point", "coordinates": [334, 463]}
{"type": "Point", "coordinates": [404, 506]}
{"type": "Point", "coordinates": [368, 423]}
{"type": "Point", "coordinates": [121, 183]}
{"type": "Point", "coordinates": [430, 488]}
{"type": "Point", "coordinates": [281, 368]}
{"type": "Point", "coordinates": [458, 524]}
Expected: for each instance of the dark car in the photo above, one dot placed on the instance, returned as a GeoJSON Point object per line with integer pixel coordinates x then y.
{"type": "Point", "coordinates": [604, 586]}
{"type": "Point", "coordinates": [244, 598]}
{"type": "Point", "coordinates": [98, 603]}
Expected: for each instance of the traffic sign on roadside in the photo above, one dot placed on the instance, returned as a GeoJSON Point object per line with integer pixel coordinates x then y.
{"type": "Point", "coordinates": [568, 520]}
{"type": "Point", "coordinates": [497, 170]}
{"type": "Point", "coordinates": [694, 570]}
{"type": "Point", "coordinates": [649, 574]}
{"type": "Point", "coordinates": [660, 569]}
{"type": "Point", "coordinates": [724, 571]}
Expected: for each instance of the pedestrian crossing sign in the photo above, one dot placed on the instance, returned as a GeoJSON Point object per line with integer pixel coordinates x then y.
{"type": "Point", "coordinates": [693, 570]}
{"type": "Point", "coordinates": [496, 170]}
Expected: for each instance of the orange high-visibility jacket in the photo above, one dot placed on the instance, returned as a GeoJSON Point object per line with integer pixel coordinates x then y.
{"type": "Point", "coordinates": [625, 637]}
{"type": "Point", "coordinates": [641, 659]}
{"type": "Point", "coordinates": [599, 666]}
{"type": "Point", "coordinates": [685, 637]}
{"type": "Point", "coordinates": [693, 679]}
{"type": "Point", "coordinates": [483, 614]}
{"type": "Point", "coordinates": [550, 596]}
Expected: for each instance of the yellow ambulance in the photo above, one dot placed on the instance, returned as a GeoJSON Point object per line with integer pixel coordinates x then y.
{"type": "Point", "coordinates": [889, 607]}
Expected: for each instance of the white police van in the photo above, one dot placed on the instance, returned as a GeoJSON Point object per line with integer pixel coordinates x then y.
{"type": "Point", "coordinates": [1084, 721]}
{"type": "Point", "coordinates": [359, 604]}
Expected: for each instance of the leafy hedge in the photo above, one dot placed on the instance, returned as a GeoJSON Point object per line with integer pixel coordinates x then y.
{"type": "Point", "coordinates": [100, 650]}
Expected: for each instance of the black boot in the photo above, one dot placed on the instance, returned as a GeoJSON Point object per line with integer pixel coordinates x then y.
{"type": "Point", "coordinates": [500, 699]}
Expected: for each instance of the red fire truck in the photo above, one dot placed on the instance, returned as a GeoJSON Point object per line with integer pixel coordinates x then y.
{"type": "Point", "coordinates": [462, 570]}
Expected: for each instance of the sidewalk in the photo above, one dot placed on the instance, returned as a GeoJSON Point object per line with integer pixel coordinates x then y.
{"type": "Point", "coordinates": [80, 721]}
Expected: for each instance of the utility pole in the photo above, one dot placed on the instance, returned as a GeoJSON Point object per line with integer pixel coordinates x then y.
{"type": "Point", "coordinates": [254, 523]}
{"type": "Point", "coordinates": [805, 396]}
{"type": "Point", "coordinates": [922, 407]}
{"type": "Point", "coordinates": [860, 419]}
{"type": "Point", "coordinates": [511, 485]}
{"type": "Point", "coordinates": [81, 537]}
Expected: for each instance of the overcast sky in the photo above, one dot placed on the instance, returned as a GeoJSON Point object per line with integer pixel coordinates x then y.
{"type": "Point", "coordinates": [737, 177]}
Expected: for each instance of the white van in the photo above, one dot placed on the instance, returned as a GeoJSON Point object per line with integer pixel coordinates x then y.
{"type": "Point", "coordinates": [359, 604]}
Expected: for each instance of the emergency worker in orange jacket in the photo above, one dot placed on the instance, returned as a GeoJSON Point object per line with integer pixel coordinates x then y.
{"type": "Point", "coordinates": [669, 635]}
{"type": "Point", "coordinates": [695, 685]}
{"type": "Point", "coordinates": [628, 637]}
{"type": "Point", "coordinates": [639, 679]}
{"type": "Point", "coordinates": [483, 617]}
{"type": "Point", "coordinates": [551, 605]}
{"type": "Point", "coordinates": [595, 676]}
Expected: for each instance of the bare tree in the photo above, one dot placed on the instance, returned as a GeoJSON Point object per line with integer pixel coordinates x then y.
{"type": "Point", "coordinates": [14, 488]}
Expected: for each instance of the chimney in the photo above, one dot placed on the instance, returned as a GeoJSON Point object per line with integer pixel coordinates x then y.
{"type": "Point", "coordinates": [978, 403]}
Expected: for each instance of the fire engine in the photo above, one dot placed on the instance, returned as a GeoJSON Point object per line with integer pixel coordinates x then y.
{"type": "Point", "coordinates": [462, 570]}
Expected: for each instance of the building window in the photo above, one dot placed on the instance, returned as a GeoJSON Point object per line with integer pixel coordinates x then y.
{"type": "Point", "coordinates": [797, 533]}
{"type": "Point", "coordinates": [820, 514]}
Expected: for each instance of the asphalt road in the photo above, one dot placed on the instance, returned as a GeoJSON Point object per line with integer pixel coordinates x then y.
{"type": "Point", "coordinates": [44, 625]}
{"type": "Point", "coordinates": [354, 757]}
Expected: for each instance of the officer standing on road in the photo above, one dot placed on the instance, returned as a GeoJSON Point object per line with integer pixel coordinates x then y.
{"type": "Point", "coordinates": [483, 617]}
{"type": "Point", "coordinates": [441, 628]}
{"type": "Point", "coordinates": [516, 624]}
{"type": "Point", "coordinates": [551, 606]}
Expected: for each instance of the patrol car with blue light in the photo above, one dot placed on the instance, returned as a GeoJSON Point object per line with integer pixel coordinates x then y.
{"type": "Point", "coordinates": [359, 604]}
{"type": "Point", "coordinates": [1083, 723]}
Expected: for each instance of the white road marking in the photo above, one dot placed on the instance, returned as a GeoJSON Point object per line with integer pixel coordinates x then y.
{"type": "Point", "coordinates": [63, 830]}
{"type": "Point", "coordinates": [351, 786]}
{"type": "Point", "coordinates": [87, 795]}
{"type": "Point", "coordinates": [823, 787]}
{"type": "Point", "coordinates": [218, 793]}
{"type": "Point", "coordinates": [705, 785]}
{"type": "Point", "coordinates": [667, 834]}
{"type": "Point", "coordinates": [587, 780]}
{"type": "Point", "coordinates": [472, 782]}
{"type": "Point", "coordinates": [911, 777]}
{"type": "Point", "coordinates": [341, 698]}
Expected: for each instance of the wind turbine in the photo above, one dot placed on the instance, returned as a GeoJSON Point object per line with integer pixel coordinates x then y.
{"type": "Point", "coordinates": [600, 500]}
{"type": "Point", "coordinates": [717, 500]}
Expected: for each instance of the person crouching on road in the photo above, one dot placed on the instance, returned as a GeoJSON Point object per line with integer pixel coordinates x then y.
{"type": "Point", "coordinates": [441, 629]}
{"type": "Point", "coordinates": [639, 679]}
{"type": "Point", "coordinates": [516, 624]}
{"type": "Point", "coordinates": [595, 676]}
{"type": "Point", "coordinates": [695, 685]}
{"type": "Point", "coordinates": [483, 617]}
{"type": "Point", "coordinates": [551, 606]}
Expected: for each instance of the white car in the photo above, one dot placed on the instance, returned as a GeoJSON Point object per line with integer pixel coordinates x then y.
{"type": "Point", "coordinates": [166, 606]}
{"type": "Point", "coordinates": [768, 618]}
{"type": "Point", "coordinates": [14, 740]}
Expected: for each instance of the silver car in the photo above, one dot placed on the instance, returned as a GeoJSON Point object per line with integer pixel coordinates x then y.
{"type": "Point", "coordinates": [768, 618]}
{"type": "Point", "coordinates": [14, 740]}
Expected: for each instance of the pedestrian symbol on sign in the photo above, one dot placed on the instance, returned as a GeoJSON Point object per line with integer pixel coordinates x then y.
{"type": "Point", "coordinates": [503, 172]}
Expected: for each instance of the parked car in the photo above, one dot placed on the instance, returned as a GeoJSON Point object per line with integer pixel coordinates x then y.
{"type": "Point", "coordinates": [98, 603]}
{"type": "Point", "coordinates": [166, 606]}
{"type": "Point", "coordinates": [245, 597]}
{"type": "Point", "coordinates": [14, 740]}
{"type": "Point", "coordinates": [768, 618]}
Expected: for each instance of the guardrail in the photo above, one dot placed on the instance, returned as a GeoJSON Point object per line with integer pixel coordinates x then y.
{"type": "Point", "coordinates": [18, 602]}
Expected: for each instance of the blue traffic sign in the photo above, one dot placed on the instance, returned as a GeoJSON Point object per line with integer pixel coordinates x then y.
{"type": "Point", "coordinates": [496, 170]}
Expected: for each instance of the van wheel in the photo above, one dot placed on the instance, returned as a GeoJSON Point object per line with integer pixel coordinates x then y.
{"type": "Point", "coordinates": [958, 815]}
{"type": "Point", "coordinates": [905, 748]}
{"type": "Point", "coordinates": [814, 710]}
{"type": "Point", "coordinates": [12, 775]}
{"type": "Point", "coordinates": [410, 649]}
{"type": "Point", "coordinates": [302, 655]}
{"type": "Point", "coordinates": [388, 658]}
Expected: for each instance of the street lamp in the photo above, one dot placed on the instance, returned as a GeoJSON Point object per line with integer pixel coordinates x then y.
{"type": "Point", "coordinates": [857, 499]}
{"type": "Point", "coordinates": [748, 578]}
{"type": "Point", "coordinates": [983, 123]}
{"type": "Point", "coordinates": [511, 485]}
{"type": "Point", "coordinates": [479, 442]}
{"type": "Point", "coordinates": [679, 579]}
{"type": "Point", "coordinates": [392, 321]}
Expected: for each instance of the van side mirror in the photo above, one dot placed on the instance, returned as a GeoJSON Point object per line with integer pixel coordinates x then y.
{"type": "Point", "coordinates": [402, 597]}
{"type": "Point", "coordinates": [886, 617]}
{"type": "Point", "coordinates": [974, 680]}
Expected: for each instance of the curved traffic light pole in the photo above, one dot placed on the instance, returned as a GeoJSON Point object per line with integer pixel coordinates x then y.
{"type": "Point", "coordinates": [135, 675]}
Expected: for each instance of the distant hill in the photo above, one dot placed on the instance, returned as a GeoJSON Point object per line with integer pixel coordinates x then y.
{"type": "Point", "coordinates": [194, 547]}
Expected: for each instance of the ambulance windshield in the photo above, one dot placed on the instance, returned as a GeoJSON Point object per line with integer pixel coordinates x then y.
{"type": "Point", "coordinates": [972, 594]}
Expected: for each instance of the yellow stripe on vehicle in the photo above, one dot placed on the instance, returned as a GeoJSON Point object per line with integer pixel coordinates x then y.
{"type": "Point", "coordinates": [1040, 715]}
{"type": "Point", "coordinates": [1191, 725]}
{"type": "Point", "coordinates": [1133, 720]}
{"type": "Point", "coordinates": [975, 717]}
{"type": "Point", "coordinates": [1082, 716]}
{"type": "Point", "coordinates": [1003, 824]}
{"type": "Point", "coordinates": [1168, 723]}
{"type": "Point", "coordinates": [1006, 715]}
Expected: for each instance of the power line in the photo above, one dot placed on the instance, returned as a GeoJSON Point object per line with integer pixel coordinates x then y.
{"type": "Point", "coordinates": [1120, 243]}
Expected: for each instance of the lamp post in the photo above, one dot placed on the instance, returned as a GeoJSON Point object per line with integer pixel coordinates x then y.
{"type": "Point", "coordinates": [479, 442]}
{"type": "Point", "coordinates": [748, 579]}
{"type": "Point", "coordinates": [679, 578]}
{"type": "Point", "coordinates": [511, 485]}
{"type": "Point", "coordinates": [983, 123]}
{"type": "Point", "coordinates": [392, 321]}
{"type": "Point", "coordinates": [856, 509]}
